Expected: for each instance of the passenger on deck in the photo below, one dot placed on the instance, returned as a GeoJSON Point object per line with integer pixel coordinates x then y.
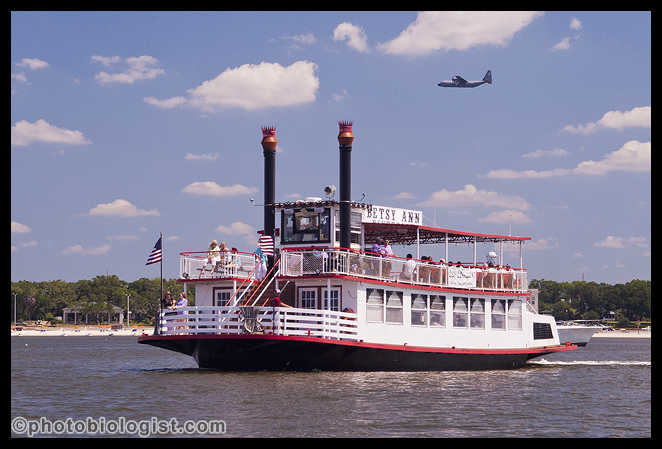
{"type": "Point", "coordinates": [387, 252]}
{"type": "Point", "coordinates": [376, 261]}
{"type": "Point", "coordinates": [167, 301]}
{"type": "Point", "coordinates": [224, 256]}
{"type": "Point", "coordinates": [408, 268]}
{"type": "Point", "coordinates": [276, 302]}
{"type": "Point", "coordinates": [234, 260]}
{"type": "Point", "coordinates": [213, 256]}
{"type": "Point", "coordinates": [183, 302]}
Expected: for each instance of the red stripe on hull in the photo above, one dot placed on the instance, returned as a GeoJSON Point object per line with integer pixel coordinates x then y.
{"type": "Point", "coordinates": [254, 352]}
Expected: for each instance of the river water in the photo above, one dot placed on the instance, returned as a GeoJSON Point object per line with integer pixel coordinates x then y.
{"type": "Point", "coordinates": [111, 386]}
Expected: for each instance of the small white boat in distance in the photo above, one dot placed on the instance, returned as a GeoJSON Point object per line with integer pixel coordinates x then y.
{"type": "Point", "coordinates": [578, 332]}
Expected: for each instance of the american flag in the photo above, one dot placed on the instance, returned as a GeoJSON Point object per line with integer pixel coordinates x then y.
{"type": "Point", "coordinates": [266, 243]}
{"type": "Point", "coordinates": [155, 255]}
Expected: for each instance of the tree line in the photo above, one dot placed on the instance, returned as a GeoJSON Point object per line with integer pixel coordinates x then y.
{"type": "Point", "coordinates": [581, 300]}
{"type": "Point", "coordinates": [631, 302]}
{"type": "Point", "coordinates": [45, 300]}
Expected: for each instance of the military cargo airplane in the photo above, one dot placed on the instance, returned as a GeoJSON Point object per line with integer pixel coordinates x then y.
{"type": "Point", "coordinates": [458, 81]}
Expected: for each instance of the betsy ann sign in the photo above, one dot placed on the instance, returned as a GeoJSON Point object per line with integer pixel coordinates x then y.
{"type": "Point", "coordinates": [390, 215]}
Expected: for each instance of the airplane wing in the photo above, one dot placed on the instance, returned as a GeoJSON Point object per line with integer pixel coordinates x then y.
{"type": "Point", "coordinates": [460, 79]}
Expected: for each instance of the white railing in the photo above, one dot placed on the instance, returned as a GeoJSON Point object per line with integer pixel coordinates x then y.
{"type": "Point", "coordinates": [232, 265]}
{"type": "Point", "coordinates": [304, 262]}
{"type": "Point", "coordinates": [199, 320]}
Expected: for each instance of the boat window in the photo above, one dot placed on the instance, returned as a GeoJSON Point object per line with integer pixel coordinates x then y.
{"type": "Point", "coordinates": [335, 299]}
{"type": "Point", "coordinates": [223, 296]}
{"type": "Point", "coordinates": [419, 309]}
{"type": "Point", "coordinates": [514, 314]}
{"type": "Point", "coordinates": [499, 314]}
{"type": "Point", "coordinates": [477, 315]}
{"type": "Point", "coordinates": [394, 310]}
{"type": "Point", "coordinates": [374, 305]}
{"type": "Point", "coordinates": [306, 225]}
{"type": "Point", "coordinates": [437, 311]}
{"type": "Point", "coordinates": [460, 312]}
{"type": "Point", "coordinates": [356, 219]}
{"type": "Point", "coordinates": [308, 298]}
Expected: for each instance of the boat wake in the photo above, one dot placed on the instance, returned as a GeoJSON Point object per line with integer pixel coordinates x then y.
{"type": "Point", "coordinates": [543, 362]}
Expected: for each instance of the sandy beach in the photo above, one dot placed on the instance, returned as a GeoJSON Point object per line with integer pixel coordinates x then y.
{"type": "Point", "coordinates": [81, 331]}
{"type": "Point", "coordinates": [622, 333]}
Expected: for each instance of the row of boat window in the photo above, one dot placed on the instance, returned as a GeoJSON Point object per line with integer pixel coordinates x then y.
{"type": "Point", "coordinates": [430, 310]}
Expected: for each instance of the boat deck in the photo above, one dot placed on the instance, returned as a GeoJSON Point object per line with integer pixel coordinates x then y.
{"type": "Point", "coordinates": [361, 265]}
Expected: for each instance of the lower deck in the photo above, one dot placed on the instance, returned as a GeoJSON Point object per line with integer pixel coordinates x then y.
{"type": "Point", "coordinates": [330, 307]}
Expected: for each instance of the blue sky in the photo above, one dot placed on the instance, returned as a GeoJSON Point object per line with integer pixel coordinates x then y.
{"type": "Point", "coordinates": [125, 125]}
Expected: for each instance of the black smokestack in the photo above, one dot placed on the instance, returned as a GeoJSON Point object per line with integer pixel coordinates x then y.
{"type": "Point", "coordinates": [345, 139]}
{"type": "Point", "coordinates": [269, 143]}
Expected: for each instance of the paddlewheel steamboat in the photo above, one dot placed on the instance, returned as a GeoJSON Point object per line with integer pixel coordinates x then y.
{"type": "Point", "coordinates": [321, 293]}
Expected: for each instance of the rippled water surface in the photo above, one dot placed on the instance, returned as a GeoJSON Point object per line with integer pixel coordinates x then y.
{"type": "Point", "coordinates": [601, 390]}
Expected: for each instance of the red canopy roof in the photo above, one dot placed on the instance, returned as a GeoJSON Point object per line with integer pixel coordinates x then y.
{"type": "Point", "coordinates": [407, 235]}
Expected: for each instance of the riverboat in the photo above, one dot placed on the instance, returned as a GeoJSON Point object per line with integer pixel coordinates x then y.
{"type": "Point", "coordinates": [317, 295]}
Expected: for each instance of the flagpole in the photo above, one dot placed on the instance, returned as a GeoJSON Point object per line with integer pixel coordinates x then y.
{"type": "Point", "coordinates": [161, 263]}
{"type": "Point", "coordinates": [161, 300]}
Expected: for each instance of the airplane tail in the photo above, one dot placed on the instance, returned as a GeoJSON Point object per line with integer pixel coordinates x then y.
{"type": "Point", "coordinates": [488, 77]}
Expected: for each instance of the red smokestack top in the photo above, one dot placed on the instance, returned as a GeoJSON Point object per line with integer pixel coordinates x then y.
{"type": "Point", "coordinates": [345, 136]}
{"type": "Point", "coordinates": [269, 141]}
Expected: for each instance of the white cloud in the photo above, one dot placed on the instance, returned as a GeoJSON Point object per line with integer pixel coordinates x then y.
{"type": "Point", "coordinates": [340, 97]}
{"type": "Point", "coordinates": [212, 189]}
{"type": "Point", "coordinates": [78, 249]}
{"type": "Point", "coordinates": [236, 228]}
{"type": "Point", "coordinates": [637, 117]}
{"type": "Point", "coordinates": [20, 77]}
{"type": "Point", "coordinates": [106, 60]}
{"type": "Point", "coordinates": [33, 64]}
{"type": "Point", "coordinates": [621, 242]}
{"type": "Point", "coordinates": [202, 157]}
{"type": "Point", "coordinates": [354, 35]}
{"type": "Point", "coordinates": [165, 104]}
{"type": "Point", "coordinates": [308, 39]}
{"type": "Point", "coordinates": [24, 133]}
{"type": "Point", "coordinates": [632, 156]}
{"type": "Point", "coordinates": [121, 208]}
{"type": "Point", "coordinates": [19, 228]}
{"type": "Point", "coordinates": [563, 45]}
{"type": "Point", "coordinates": [531, 245]}
{"type": "Point", "coordinates": [507, 216]}
{"type": "Point", "coordinates": [575, 24]}
{"type": "Point", "coordinates": [457, 30]}
{"type": "Point", "coordinates": [404, 196]}
{"type": "Point", "coordinates": [252, 87]}
{"type": "Point", "coordinates": [470, 196]}
{"type": "Point", "coordinates": [541, 153]}
{"type": "Point", "coordinates": [526, 174]}
{"type": "Point", "coordinates": [139, 68]}
{"type": "Point", "coordinates": [565, 42]}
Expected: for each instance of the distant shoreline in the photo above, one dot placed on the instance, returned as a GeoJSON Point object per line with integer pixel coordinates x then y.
{"type": "Point", "coordinates": [81, 331]}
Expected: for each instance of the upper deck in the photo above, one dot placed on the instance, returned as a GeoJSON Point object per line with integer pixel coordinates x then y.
{"type": "Point", "coordinates": [307, 244]}
{"type": "Point", "coordinates": [307, 262]}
